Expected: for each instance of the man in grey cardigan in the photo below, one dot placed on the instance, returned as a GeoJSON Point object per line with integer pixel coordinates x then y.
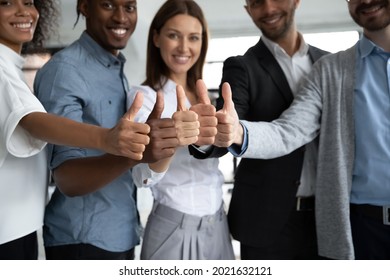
{"type": "Point", "coordinates": [345, 100]}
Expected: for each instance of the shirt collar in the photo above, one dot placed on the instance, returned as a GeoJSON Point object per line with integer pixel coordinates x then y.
{"type": "Point", "coordinates": [11, 57]}
{"type": "Point", "coordinates": [367, 47]}
{"type": "Point", "coordinates": [276, 50]}
{"type": "Point", "coordinates": [103, 56]}
{"type": "Point", "coordinates": [170, 85]}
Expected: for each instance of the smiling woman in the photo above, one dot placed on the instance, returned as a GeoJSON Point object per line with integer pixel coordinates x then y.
{"type": "Point", "coordinates": [23, 168]}
{"type": "Point", "coordinates": [18, 22]}
{"type": "Point", "coordinates": [187, 195]}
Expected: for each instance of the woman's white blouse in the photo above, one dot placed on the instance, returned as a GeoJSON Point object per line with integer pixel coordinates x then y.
{"type": "Point", "coordinates": [189, 185]}
{"type": "Point", "coordinates": [17, 101]}
{"type": "Point", "coordinates": [23, 164]}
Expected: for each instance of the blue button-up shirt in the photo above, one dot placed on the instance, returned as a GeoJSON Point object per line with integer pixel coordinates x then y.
{"type": "Point", "coordinates": [371, 174]}
{"type": "Point", "coordinates": [86, 83]}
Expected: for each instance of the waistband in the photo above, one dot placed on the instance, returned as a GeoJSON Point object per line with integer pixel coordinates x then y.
{"type": "Point", "coordinates": [186, 220]}
{"type": "Point", "coordinates": [305, 203]}
{"type": "Point", "coordinates": [381, 213]}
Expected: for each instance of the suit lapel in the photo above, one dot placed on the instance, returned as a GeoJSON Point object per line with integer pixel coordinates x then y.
{"type": "Point", "coordinates": [270, 65]}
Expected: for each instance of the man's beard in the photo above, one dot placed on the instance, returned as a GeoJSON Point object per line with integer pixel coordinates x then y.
{"type": "Point", "coordinates": [373, 24]}
{"type": "Point", "coordinates": [275, 35]}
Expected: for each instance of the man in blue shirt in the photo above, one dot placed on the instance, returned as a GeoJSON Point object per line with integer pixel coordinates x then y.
{"type": "Point", "coordinates": [92, 213]}
{"type": "Point", "coordinates": [346, 100]}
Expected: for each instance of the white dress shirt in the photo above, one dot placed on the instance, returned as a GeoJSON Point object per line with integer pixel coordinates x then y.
{"type": "Point", "coordinates": [190, 185]}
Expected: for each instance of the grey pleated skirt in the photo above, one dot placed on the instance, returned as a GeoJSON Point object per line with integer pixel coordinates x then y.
{"type": "Point", "coordinates": [173, 235]}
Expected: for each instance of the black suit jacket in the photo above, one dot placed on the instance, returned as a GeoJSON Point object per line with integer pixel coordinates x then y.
{"type": "Point", "coordinates": [264, 190]}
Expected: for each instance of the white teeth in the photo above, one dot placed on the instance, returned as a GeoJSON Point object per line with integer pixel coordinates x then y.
{"type": "Point", "coordinates": [22, 25]}
{"type": "Point", "coordinates": [272, 20]}
{"type": "Point", "coordinates": [119, 31]}
{"type": "Point", "coordinates": [181, 59]}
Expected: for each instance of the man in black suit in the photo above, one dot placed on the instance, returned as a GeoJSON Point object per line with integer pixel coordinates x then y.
{"type": "Point", "coordinates": [272, 206]}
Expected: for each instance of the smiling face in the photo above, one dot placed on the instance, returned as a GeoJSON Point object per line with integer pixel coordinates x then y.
{"type": "Point", "coordinates": [180, 43]}
{"type": "Point", "coordinates": [275, 18]}
{"type": "Point", "coordinates": [110, 22]}
{"type": "Point", "coordinates": [371, 15]}
{"type": "Point", "coordinates": [18, 19]}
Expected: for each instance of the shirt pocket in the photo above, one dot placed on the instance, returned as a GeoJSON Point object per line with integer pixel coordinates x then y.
{"type": "Point", "coordinates": [111, 110]}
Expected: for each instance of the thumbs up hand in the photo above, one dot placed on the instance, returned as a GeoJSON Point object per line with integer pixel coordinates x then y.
{"type": "Point", "coordinates": [163, 141]}
{"type": "Point", "coordinates": [229, 128]}
{"type": "Point", "coordinates": [206, 114]}
{"type": "Point", "coordinates": [186, 122]}
{"type": "Point", "coordinates": [128, 138]}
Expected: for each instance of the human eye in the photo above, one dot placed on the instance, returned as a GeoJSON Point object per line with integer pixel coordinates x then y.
{"type": "Point", "coordinates": [131, 7]}
{"type": "Point", "coordinates": [5, 3]}
{"type": "Point", "coordinates": [195, 38]}
{"type": "Point", "coordinates": [255, 3]}
{"type": "Point", "coordinates": [29, 3]}
{"type": "Point", "coordinates": [173, 35]}
{"type": "Point", "coordinates": [107, 5]}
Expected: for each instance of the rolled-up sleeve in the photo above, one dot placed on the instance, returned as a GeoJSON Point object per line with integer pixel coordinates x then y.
{"type": "Point", "coordinates": [17, 101]}
{"type": "Point", "coordinates": [63, 92]}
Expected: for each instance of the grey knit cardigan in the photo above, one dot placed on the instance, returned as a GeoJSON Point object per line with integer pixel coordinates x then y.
{"type": "Point", "coordinates": [324, 106]}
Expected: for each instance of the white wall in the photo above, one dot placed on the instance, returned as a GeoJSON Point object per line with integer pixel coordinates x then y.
{"type": "Point", "coordinates": [226, 18]}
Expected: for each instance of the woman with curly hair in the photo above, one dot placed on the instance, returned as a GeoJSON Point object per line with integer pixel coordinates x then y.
{"type": "Point", "coordinates": [47, 24]}
{"type": "Point", "coordinates": [25, 127]}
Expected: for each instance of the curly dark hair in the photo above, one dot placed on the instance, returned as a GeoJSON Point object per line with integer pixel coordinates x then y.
{"type": "Point", "coordinates": [47, 26]}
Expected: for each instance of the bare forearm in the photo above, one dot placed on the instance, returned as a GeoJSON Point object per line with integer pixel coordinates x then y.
{"type": "Point", "coordinates": [61, 131]}
{"type": "Point", "coordinates": [127, 138]}
{"type": "Point", "coordinates": [85, 175]}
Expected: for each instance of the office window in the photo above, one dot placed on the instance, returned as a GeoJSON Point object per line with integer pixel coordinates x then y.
{"type": "Point", "coordinates": [222, 48]}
